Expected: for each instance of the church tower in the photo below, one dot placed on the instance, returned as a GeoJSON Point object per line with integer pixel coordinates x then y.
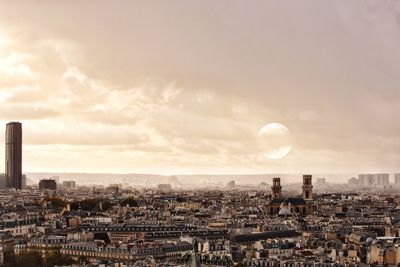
{"type": "Point", "coordinates": [307, 187]}
{"type": "Point", "coordinates": [276, 188]}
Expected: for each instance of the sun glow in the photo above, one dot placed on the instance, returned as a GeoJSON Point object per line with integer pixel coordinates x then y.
{"type": "Point", "coordinates": [275, 140]}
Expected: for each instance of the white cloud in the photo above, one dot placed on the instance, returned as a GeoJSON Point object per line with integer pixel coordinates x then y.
{"type": "Point", "coordinates": [190, 95]}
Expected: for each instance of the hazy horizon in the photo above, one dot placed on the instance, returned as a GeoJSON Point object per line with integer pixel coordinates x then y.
{"type": "Point", "coordinates": [154, 179]}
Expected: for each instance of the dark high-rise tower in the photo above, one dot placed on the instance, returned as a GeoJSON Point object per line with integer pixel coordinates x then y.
{"type": "Point", "coordinates": [14, 155]}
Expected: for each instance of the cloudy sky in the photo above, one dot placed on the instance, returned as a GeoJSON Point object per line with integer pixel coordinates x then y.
{"type": "Point", "coordinates": [184, 86]}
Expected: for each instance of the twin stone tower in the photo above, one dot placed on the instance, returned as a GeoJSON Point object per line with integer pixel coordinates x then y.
{"type": "Point", "coordinates": [280, 205]}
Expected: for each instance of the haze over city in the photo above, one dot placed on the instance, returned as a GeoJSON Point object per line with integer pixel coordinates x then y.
{"type": "Point", "coordinates": [185, 87]}
{"type": "Point", "coordinates": [184, 133]}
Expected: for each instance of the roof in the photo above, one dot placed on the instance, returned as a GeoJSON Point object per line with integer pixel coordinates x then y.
{"type": "Point", "coordinates": [102, 236]}
{"type": "Point", "coordinates": [13, 122]}
{"type": "Point", "coordinates": [277, 201]}
{"type": "Point", "coordinates": [265, 235]}
{"type": "Point", "coordinates": [285, 212]}
{"type": "Point", "coordinates": [296, 201]}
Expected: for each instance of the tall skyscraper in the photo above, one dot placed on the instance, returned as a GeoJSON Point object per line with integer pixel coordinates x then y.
{"type": "Point", "coordinates": [14, 155]}
{"type": "Point", "coordinates": [377, 179]}
{"type": "Point", "coordinates": [397, 179]}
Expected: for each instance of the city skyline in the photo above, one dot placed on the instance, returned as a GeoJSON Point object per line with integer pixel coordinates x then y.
{"type": "Point", "coordinates": [199, 133]}
{"type": "Point", "coordinates": [183, 88]}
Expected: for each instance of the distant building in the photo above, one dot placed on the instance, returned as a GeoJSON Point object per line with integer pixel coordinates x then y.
{"type": "Point", "coordinates": [23, 182]}
{"type": "Point", "coordinates": [2, 181]}
{"type": "Point", "coordinates": [14, 155]}
{"type": "Point", "coordinates": [113, 188]}
{"type": "Point", "coordinates": [231, 184]}
{"type": "Point", "coordinates": [164, 187]}
{"type": "Point", "coordinates": [397, 179]}
{"type": "Point", "coordinates": [377, 179]}
{"type": "Point", "coordinates": [353, 181]}
{"type": "Point", "coordinates": [47, 184]}
{"type": "Point", "coordinates": [69, 184]}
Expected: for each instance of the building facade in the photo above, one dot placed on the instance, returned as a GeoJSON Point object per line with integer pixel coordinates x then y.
{"type": "Point", "coordinates": [282, 206]}
{"type": "Point", "coordinates": [69, 184]}
{"type": "Point", "coordinates": [14, 155]}
{"type": "Point", "coordinates": [376, 179]}
{"type": "Point", "coordinates": [307, 187]}
{"type": "Point", "coordinates": [276, 189]}
{"type": "Point", "coordinates": [48, 184]}
{"type": "Point", "coordinates": [397, 179]}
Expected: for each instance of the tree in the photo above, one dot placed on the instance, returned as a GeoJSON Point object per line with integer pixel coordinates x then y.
{"type": "Point", "coordinates": [28, 259]}
{"type": "Point", "coordinates": [56, 202]}
{"type": "Point", "coordinates": [132, 202]}
{"type": "Point", "coordinates": [9, 258]}
{"type": "Point", "coordinates": [57, 259]}
{"type": "Point", "coordinates": [180, 199]}
{"type": "Point", "coordinates": [82, 260]}
{"type": "Point", "coordinates": [75, 205]}
{"type": "Point", "coordinates": [106, 205]}
{"type": "Point", "coordinates": [90, 204]}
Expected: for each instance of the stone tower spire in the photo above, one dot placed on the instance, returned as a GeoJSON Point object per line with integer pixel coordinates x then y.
{"type": "Point", "coordinates": [276, 188]}
{"type": "Point", "coordinates": [307, 187]}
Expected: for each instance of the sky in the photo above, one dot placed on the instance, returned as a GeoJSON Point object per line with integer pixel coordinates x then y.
{"type": "Point", "coordinates": [172, 87]}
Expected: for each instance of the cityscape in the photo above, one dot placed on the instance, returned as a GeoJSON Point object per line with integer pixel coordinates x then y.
{"type": "Point", "coordinates": [57, 222]}
{"type": "Point", "coordinates": [199, 133]}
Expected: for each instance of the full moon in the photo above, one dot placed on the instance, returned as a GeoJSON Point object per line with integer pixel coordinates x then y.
{"type": "Point", "coordinates": [275, 140]}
